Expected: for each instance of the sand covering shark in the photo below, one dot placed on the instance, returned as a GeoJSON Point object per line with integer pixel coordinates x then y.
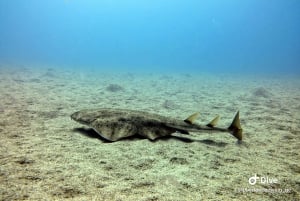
{"type": "Point", "coordinates": [116, 124]}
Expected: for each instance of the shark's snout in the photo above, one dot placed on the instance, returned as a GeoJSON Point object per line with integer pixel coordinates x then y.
{"type": "Point", "coordinates": [74, 116]}
{"type": "Point", "coordinates": [78, 117]}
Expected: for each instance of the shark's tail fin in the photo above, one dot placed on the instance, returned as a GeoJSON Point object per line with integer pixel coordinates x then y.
{"type": "Point", "coordinates": [235, 127]}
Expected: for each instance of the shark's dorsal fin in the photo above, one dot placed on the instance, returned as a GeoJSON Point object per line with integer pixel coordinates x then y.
{"type": "Point", "coordinates": [192, 118]}
{"type": "Point", "coordinates": [213, 122]}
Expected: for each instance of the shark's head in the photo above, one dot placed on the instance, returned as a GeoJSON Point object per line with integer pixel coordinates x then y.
{"type": "Point", "coordinates": [83, 119]}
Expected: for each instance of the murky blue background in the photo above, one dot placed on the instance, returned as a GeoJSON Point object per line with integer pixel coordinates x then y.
{"type": "Point", "coordinates": [157, 35]}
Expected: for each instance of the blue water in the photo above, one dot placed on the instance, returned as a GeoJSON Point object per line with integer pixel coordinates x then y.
{"type": "Point", "coordinates": [167, 35]}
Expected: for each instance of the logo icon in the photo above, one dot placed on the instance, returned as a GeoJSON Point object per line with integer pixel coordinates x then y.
{"type": "Point", "coordinates": [263, 180]}
{"type": "Point", "coordinates": [252, 180]}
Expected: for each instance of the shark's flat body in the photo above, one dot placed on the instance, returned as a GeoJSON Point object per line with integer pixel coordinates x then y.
{"type": "Point", "coordinates": [115, 124]}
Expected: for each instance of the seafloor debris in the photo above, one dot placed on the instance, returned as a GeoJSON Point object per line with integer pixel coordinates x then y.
{"type": "Point", "coordinates": [50, 73]}
{"type": "Point", "coordinates": [262, 92]}
{"type": "Point", "coordinates": [24, 160]}
{"type": "Point", "coordinates": [114, 88]}
{"type": "Point", "coordinates": [168, 104]}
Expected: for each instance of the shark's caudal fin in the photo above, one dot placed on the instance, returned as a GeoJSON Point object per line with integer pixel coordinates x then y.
{"type": "Point", "coordinates": [235, 127]}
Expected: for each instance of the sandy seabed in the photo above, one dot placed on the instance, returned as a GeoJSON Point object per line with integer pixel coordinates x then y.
{"type": "Point", "coordinates": [44, 155]}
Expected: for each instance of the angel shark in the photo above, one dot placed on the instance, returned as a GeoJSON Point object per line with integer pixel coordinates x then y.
{"type": "Point", "coordinates": [116, 124]}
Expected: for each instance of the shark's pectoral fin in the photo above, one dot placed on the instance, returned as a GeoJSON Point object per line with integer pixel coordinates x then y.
{"type": "Point", "coordinates": [192, 118]}
{"type": "Point", "coordinates": [154, 130]}
{"type": "Point", "coordinates": [213, 122]}
{"type": "Point", "coordinates": [113, 131]}
{"type": "Point", "coordinates": [235, 127]}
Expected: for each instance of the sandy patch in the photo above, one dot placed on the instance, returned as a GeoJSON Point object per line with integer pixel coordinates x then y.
{"type": "Point", "coordinates": [44, 157]}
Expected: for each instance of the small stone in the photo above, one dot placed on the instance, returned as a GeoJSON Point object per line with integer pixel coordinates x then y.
{"type": "Point", "coordinates": [24, 161]}
{"type": "Point", "coordinates": [177, 160]}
